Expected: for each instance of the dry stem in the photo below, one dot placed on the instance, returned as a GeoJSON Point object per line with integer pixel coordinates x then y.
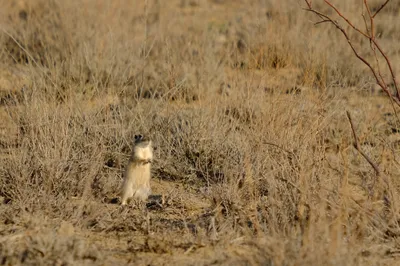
{"type": "Point", "coordinates": [368, 34]}
{"type": "Point", "coordinates": [358, 148]}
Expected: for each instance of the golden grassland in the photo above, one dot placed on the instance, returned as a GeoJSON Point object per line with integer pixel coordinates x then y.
{"type": "Point", "coordinates": [246, 104]}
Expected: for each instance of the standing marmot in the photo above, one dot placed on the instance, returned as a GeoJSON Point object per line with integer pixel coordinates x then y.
{"type": "Point", "coordinates": [137, 174]}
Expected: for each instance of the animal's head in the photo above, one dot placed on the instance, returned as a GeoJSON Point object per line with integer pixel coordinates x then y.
{"type": "Point", "coordinates": [142, 141]}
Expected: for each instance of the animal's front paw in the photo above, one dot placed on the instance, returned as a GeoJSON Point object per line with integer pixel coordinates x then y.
{"type": "Point", "coordinates": [146, 161]}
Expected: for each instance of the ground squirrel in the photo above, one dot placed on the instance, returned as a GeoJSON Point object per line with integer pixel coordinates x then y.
{"type": "Point", "coordinates": [137, 174]}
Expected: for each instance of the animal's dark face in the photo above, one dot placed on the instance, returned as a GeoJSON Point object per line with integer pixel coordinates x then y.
{"type": "Point", "coordinates": [140, 139]}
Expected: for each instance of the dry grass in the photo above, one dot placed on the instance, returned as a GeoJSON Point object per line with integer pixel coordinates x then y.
{"type": "Point", "coordinates": [245, 103]}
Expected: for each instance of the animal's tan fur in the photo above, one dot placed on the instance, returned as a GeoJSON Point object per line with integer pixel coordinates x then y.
{"type": "Point", "coordinates": [137, 173]}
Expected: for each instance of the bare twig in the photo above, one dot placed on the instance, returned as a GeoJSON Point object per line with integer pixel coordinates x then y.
{"type": "Point", "coordinates": [322, 21]}
{"type": "Point", "coordinates": [390, 68]}
{"type": "Point", "coordinates": [358, 148]}
{"type": "Point", "coordinates": [347, 20]}
{"type": "Point", "coordinates": [374, 44]}
{"type": "Point", "coordinates": [365, 21]}
{"type": "Point", "coordinates": [379, 9]}
{"type": "Point", "coordinates": [371, 20]}
{"type": "Point", "coordinates": [371, 37]}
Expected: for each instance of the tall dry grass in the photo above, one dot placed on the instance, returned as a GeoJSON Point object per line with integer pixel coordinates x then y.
{"type": "Point", "coordinates": [245, 103]}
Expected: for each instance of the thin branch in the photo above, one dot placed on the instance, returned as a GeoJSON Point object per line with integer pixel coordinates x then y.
{"type": "Point", "coordinates": [348, 21]}
{"type": "Point", "coordinates": [390, 68]}
{"type": "Point", "coordinates": [379, 9]}
{"type": "Point", "coordinates": [323, 21]}
{"type": "Point", "coordinates": [321, 15]}
{"type": "Point", "coordinates": [357, 147]}
{"type": "Point", "coordinates": [371, 20]}
{"type": "Point", "coordinates": [373, 48]}
{"type": "Point", "coordinates": [365, 21]}
{"type": "Point", "coordinates": [372, 39]}
{"type": "Point", "coordinates": [378, 77]}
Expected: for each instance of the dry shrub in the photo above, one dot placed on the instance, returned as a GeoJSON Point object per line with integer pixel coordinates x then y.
{"type": "Point", "coordinates": [59, 247]}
